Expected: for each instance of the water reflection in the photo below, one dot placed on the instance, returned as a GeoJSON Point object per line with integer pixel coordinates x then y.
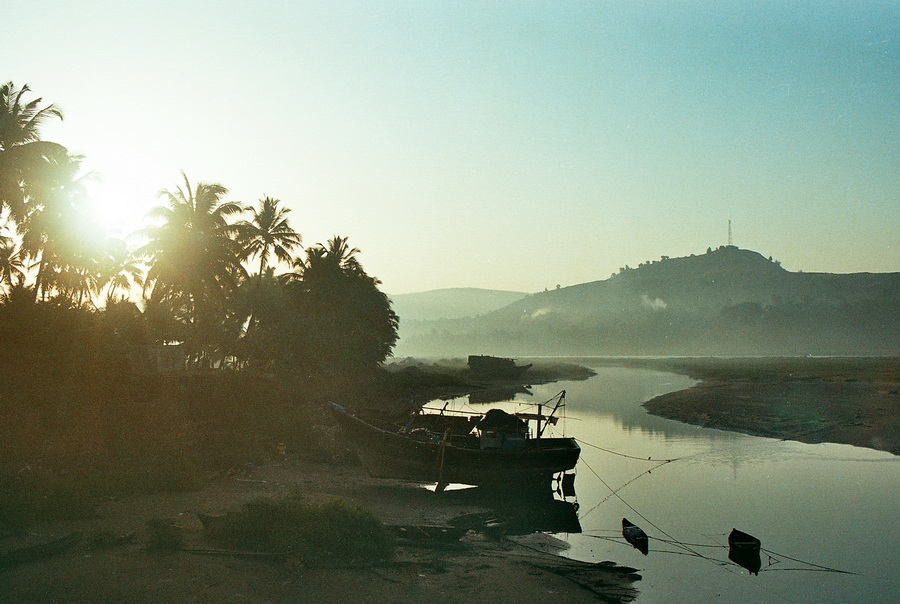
{"type": "Point", "coordinates": [515, 515]}
{"type": "Point", "coordinates": [497, 395]}
{"type": "Point", "coordinates": [795, 497]}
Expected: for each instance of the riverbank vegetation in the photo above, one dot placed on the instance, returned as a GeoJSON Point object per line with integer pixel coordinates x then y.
{"type": "Point", "coordinates": [204, 342]}
{"type": "Point", "coordinates": [329, 532]}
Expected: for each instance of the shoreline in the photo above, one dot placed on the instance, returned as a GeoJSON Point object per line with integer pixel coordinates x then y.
{"type": "Point", "coordinates": [477, 568]}
{"type": "Point", "coordinates": [810, 410]}
{"type": "Point", "coordinates": [111, 559]}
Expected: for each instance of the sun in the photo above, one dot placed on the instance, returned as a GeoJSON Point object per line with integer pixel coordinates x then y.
{"type": "Point", "coordinates": [120, 199]}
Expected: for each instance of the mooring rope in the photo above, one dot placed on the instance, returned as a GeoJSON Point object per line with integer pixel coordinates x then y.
{"type": "Point", "coordinates": [816, 567]}
{"type": "Point", "coordinates": [593, 446]}
{"type": "Point", "coordinates": [614, 492]}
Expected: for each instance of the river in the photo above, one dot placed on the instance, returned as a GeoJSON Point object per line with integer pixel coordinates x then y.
{"type": "Point", "coordinates": [817, 508]}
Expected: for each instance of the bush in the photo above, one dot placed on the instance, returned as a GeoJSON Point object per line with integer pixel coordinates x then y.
{"type": "Point", "coordinates": [333, 531]}
{"type": "Point", "coordinates": [24, 502]}
{"type": "Point", "coordinates": [165, 536]}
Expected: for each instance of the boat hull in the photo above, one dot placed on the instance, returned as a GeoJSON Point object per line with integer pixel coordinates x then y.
{"type": "Point", "coordinates": [389, 455]}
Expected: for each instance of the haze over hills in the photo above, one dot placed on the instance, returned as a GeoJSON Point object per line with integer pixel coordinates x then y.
{"type": "Point", "coordinates": [728, 301]}
{"type": "Point", "coordinates": [451, 303]}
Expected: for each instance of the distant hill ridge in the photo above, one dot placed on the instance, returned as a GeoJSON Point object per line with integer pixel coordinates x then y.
{"type": "Point", "coordinates": [728, 301]}
{"type": "Point", "coordinates": [720, 278]}
{"type": "Point", "coordinates": [451, 303]}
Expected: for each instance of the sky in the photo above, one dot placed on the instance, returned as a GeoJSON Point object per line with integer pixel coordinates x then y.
{"type": "Point", "coordinates": [493, 144]}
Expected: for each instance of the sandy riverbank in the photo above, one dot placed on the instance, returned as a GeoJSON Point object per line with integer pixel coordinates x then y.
{"type": "Point", "coordinates": [475, 569]}
{"type": "Point", "coordinates": [812, 410]}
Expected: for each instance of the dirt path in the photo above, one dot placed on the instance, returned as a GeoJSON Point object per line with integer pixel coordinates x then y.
{"type": "Point", "coordinates": [475, 569]}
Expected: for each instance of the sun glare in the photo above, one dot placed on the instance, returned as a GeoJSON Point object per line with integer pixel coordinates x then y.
{"type": "Point", "coordinates": [120, 201]}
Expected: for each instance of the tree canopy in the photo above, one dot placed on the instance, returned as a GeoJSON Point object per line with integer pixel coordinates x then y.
{"type": "Point", "coordinates": [203, 275]}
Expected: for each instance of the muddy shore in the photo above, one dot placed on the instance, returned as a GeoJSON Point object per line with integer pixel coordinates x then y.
{"type": "Point", "coordinates": [842, 402]}
{"type": "Point", "coordinates": [475, 568]}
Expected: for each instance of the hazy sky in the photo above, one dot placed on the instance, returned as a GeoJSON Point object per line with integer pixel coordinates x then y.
{"type": "Point", "coordinates": [509, 145]}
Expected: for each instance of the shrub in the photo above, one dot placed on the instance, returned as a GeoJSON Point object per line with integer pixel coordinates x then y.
{"type": "Point", "coordinates": [333, 531]}
{"type": "Point", "coordinates": [164, 535]}
{"type": "Point", "coordinates": [25, 501]}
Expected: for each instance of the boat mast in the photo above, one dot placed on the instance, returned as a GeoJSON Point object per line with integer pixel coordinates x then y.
{"type": "Point", "coordinates": [559, 402]}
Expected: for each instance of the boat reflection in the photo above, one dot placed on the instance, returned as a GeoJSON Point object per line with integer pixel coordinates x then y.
{"type": "Point", "coordinates": [515, 514]}
{"type": "Point", "coordinates": [497, 395]}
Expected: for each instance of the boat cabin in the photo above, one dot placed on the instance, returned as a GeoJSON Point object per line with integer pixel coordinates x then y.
{"type": "Point", "coordinates": [498, 429]}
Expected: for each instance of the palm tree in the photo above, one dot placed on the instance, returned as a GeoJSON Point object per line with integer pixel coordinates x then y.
{"type": "Point", "coordinates": [268, 233]}
{"type": "Point", "coordinates": [194, 257]}
{"type": "Point", "coordinates": [46, 199]}
{"type": "Point", "coordinates": [121, 271]}
{"type": "Point", "coordinates": [19, 123]}
{"type": "Point", "coordinates": [327, 260]}
{"type": "Point", "coordinates": [338, 250]}
{"type": "Point", "coordinates": [75, 283]}
{"type": "Point", "coordinates": [345, 320]}
{"type": "Point", "coordinates": [57, 236]}
{"type": "Point", "coordinates": [12, 268]}
{"type": "Point", "coordinates": [23, 156]}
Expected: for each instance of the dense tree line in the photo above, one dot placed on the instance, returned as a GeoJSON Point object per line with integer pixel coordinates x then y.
{"type": "Point", "coordinates": [255, 331]}
{"type": "Point", "coordinates": [204, 276]}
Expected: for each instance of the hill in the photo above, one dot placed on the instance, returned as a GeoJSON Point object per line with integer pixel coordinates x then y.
{"type": "Point", "coordinates": [728, 301]}
{"type": "Point", "coordinates": [452, 303]}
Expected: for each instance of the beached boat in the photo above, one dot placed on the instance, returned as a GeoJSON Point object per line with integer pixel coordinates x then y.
{"type": "Point", "coordinates": [499, 451]}
{"type": "Point", "coordinates": [496, 367]}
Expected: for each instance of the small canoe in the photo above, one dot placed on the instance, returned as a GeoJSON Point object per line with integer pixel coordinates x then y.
{"type": "Point", "coordinates": [741, 540]}
{"type": "Point", "coordinates": [743, 550]}
{"type": "Point", "coordinates": [635, 536]}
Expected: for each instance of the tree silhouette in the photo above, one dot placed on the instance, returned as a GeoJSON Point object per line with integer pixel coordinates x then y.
{"type": "Point", "coordinates": [341, 322]}
{"type": "Point", "coordinates": [57, 236]}
{"type": "Point", "coordinates": [268, 233]}
{"type": "Point", "coordinates": [23, 156]}
{"type": "Point", "coordinates": [194, 258]}
{"type": "Point", "coordinates": [12, 268]}
{"type": "Point", "coordinates": [120, 272]}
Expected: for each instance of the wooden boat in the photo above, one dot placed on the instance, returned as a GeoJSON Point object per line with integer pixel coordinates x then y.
{"type": "Point", "coordinates": [743, 550]}
{"type": "Point", "coordinates": [498, 452]}
{"type": "Point", "coordinates": [496, 367]}
{"type": "Point", "coordinates": [635, 536]}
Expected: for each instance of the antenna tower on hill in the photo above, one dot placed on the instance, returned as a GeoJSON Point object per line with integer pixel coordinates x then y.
{"type": "Point", "coordinates": [730, 241]}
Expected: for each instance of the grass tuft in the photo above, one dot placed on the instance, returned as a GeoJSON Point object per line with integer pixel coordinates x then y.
{"type": "Point", "coordinates": [330, 532]}
{"type": "Point", "coordinates": [164, 535]}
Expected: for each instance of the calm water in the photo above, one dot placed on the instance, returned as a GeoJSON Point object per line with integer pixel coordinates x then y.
{"type": "Point", "coordinates": [831, 505]}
